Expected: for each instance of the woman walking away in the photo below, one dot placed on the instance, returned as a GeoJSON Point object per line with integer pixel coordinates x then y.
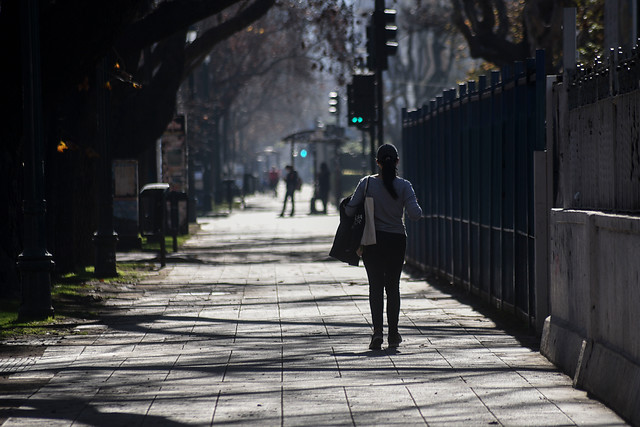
{"type": "Point", "coordinates": [393, 196]}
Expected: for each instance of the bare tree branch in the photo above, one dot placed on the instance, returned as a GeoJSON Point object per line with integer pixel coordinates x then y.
{"type": "Point", "coordinates": [198, 50]}
{"type": "Point", "coordinates": [168, 18]}
{"type": "Point", "coordinates": [484, 39]}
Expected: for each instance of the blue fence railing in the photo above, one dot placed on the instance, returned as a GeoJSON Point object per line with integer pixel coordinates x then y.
{"type": "Point", "coordinates": [469, 155]}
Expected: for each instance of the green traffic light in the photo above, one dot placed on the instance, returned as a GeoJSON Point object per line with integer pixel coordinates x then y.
{"type": "Point", "coordinates": [354, 120]}
{"type": "Point", "coordinates": [359, 119]}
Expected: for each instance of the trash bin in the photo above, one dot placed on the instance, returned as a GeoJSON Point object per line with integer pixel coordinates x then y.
{"type": "Point", "coordinates": [152, 210]}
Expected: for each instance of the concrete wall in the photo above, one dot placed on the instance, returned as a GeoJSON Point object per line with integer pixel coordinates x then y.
{"type": "Point", "coordinates": [593, 332]}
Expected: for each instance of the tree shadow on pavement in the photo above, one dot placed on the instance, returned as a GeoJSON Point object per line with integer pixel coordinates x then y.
{"type": "Point", "coordinates": [80, 411]}
{"type": "Point", "coordinates": [439, 290]}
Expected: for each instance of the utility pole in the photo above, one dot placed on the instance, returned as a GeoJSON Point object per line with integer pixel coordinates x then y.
{"type": "Point", "coordinates": [35, 262]}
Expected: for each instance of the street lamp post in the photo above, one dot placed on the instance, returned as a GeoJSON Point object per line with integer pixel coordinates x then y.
{"type": "Point", "coordinates": [105, 238]}
{"type": "Point", "coordinates": [35, 262]}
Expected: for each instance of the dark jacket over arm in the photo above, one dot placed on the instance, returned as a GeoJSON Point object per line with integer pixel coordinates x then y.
{"type": "Point", "coordinates": [344, 248]}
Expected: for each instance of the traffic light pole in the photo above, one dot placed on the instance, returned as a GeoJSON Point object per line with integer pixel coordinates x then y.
{"type": "Point", "coordinates": [379, 7]}
{"type": "Point", "coordinates": [366, 94]}
{"type": "Point", "coordinates": [380, 105]}
{"type": "Point", "coordinates": [372, 144]}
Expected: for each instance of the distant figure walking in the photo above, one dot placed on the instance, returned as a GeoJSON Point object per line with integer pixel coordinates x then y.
{"type": "Point", "coordinates": [392, 196]}
{"type": "Point", "coordinates": [324, 184]}
{"type": "Point", "coordinates": [291, 181]}
{"type": "Point", "coordinates": [274, 177]}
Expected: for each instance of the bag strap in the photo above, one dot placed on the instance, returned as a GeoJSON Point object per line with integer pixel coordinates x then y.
{"type": "Point", "coordinates": [366, 186]}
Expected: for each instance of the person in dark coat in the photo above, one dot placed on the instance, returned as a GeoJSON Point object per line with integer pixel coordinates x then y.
{"type": "Point", "coordinates": [324, 184]}
{"type": "Point", "coordinates": [291, 183]}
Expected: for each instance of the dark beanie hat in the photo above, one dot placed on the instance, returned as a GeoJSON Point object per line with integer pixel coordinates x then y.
{"type": "Point", "coordinates": [387, 151]}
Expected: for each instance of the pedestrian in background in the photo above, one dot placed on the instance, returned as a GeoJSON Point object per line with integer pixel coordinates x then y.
{"type": "Point", "coordinates": [393, 197]}
{"type": "Point", "coordinates": [324, 184]}
{"type": "Point", "coordinates": [274, 178]}
{"type": "Point", "coordinates": [292, 182]}
{"type": "Point", "coordinates": [321, 191]}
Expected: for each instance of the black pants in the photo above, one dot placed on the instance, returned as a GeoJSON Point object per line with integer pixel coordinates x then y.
{"type": "Point", "coordinates": [383, 262]}
{"type": "Point", "coordinates": [288, 195]}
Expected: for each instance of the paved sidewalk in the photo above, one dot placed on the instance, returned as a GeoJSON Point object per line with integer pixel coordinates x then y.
{"type": "Point", "coordinates": [252, 323]}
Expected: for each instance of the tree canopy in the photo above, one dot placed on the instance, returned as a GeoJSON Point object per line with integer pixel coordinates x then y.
{"type": "Point", "coordinates": [148, 59]}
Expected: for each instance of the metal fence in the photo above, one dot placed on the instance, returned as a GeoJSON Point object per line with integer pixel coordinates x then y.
{"type": "Point", "coordinates": [469, 155]}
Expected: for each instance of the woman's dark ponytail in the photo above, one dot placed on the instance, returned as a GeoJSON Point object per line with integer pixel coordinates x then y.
{"type": "Point", "coordinates": [388, 158]}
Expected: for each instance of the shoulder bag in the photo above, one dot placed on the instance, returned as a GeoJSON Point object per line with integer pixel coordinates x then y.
{"type": "Point", "coordinates": [369, 232]}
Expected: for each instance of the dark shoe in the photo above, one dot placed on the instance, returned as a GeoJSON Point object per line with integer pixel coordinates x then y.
{"type": "Point", "coordinates": [376, 342]}
{"type": "Point", "coordinates": [394, 339]}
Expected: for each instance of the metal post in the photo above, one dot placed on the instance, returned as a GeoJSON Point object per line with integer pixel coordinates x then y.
{"type": "Point", "coordinates": [105, 238]}
{"type": "Point", "coordinates": [569, 51]}
{"type": "Point", "coordinates": [35, 262]}
{"type": "Point", "coordinates": [611, 25]}
{"type": "Point", "coordinates": [379, 93]}
{"type": "Point", "coordinates": [372, 145]}
{"type": "Point", "coordinates": [163, 229]}
{"type": "Point", "coordinates": [338, 110]}
{"type": "Point", "coordinates": [216, 162]}
{"type": "Point", "coordinates": [380, 108]}
{"type": "Point", "coordinates": [338, 172]}
{"type": "Point", "coordinates": [293, 142]}
{"type": "Point", "coordinates": [314, 153]}
{"type": "Point", "coordinates": [191, 187]}
{"type": "Point", "coordinates": [364, 152]}
{"type": "Point", "coordinates": [175, 223]}
{"type": "Point", "coordinates": [207, 178]}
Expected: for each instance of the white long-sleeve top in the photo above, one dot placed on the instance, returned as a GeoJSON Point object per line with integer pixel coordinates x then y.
{"type": "Point", "coordinates": [388, 212]}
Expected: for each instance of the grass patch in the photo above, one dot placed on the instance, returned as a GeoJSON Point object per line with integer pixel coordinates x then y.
{"type": "Point", "coordinates": [154, 245]}
{"type": "Point", "coordinates": [8, 312]}
{"type": "Point", "coordinates": [74, 296]}
{"type": "Point", "coordinates": [83, 279]}
{"type": "Point", "coordinates": [78, 295]}
{"type": "Point", "coordinates": [11, 327]}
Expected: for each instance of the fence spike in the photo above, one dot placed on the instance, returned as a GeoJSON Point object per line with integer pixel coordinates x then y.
{"type": "Point", "coordinates": [482, 84]}
{"type": "Point", "coordinates": [495, 78]}
{"type": "Point", "coordinates": [462, 90]}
